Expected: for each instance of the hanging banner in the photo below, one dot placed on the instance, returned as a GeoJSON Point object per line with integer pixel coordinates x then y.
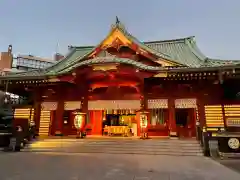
{"type": "Point", "coordinates": [114, 104]}
{"type": "Point", "coordinates": [49, 106]}
{"type": "Point", "coordinates": [186, 103]}
{"type": "Point", "coordinates": [157, 103]}
{"type": "Point", "coordinates": [72, 105]}
{"type": "Point", "coordinates": [143, 120]}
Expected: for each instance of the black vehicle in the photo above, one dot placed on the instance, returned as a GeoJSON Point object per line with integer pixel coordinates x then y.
{"type": "Point", "coordinates": [221, 144]}
{"type": "Point", "coordinates": [10, 135]}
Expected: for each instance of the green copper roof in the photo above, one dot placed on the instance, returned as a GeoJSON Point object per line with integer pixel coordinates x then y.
{"type": "Point", "coordinates": [183, 51]}
{"type": "Point", "coordinates": [70, 59]}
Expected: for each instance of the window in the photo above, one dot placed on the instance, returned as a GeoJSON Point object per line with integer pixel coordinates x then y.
{"type": "Point", "coordinates": [22, 68]}
{"type": "Point", "coordinates": [158, 116]}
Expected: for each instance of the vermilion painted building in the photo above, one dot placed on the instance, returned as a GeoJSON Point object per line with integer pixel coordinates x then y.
{"type": "Point", "coordinates": [179, 86]}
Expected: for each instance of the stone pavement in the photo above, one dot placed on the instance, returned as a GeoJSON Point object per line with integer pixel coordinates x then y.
{"type": "Point", "coordinates": [231, 163]}
{"type": "Point", "coordinates": [73, 166]}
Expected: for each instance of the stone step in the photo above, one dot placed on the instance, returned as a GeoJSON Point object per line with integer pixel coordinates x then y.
{"type": "Point", "coordinates": [129, 146]}
{"type": "Point", "coordinates": [145, 142]}
{"type": "Point", "coordinates": [177, 153]}
{"type": "Point", "coordinates": [110, 148]}
{"type": "Point", "coordinates": [154, 147]}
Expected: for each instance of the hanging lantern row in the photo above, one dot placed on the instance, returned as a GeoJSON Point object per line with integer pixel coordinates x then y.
{"type": "Point", "coordinates": [195, 74]}
{"type": "Point", "coordinates": [26, 82]}
{"type": "Point", "coordinates": [38, 82]}
{"type": "Point", "coordinates": [118, 104]}
{"type": "Point", "coordinates": [199, 75]}
{"type": "Point", "coordinates": [119, 112]}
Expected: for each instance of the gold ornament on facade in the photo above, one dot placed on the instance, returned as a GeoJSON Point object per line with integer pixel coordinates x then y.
{"type": "Point", "coordinates": [162, 74]}
{"type": "Point", "coordinates": [53, 80]}
{"type": "Point", "coordinates": [104, 67]}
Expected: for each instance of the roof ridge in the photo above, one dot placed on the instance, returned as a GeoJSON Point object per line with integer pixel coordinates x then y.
{"type": "Point", "coordinates": [183, 40]}
{"type": "Point", "coordinates": [87, 46]}
{"type": "Point", "coordinates": [191, 43]}
{"type": "Point", "coordinates": [72, 50]}
{"type": "Point", "coordinates": [215, 59]}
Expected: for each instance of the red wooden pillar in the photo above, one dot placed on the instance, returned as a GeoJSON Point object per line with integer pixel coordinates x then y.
{"type": "Point", "coordinates": [172, 120]}
{"type": "Point", "coordinates": [201, 112]}
{"type": "Point", "coordinates": [84, 105]}
{"type": "Point", "coordinates": [194, 122]}
{"type": "Point", "coordinates": [37, 108]}
{"type": "Point", "coordinates": [37, 114]}
{"type": "Point", "coordinates": [224, 116]}
{"type": "Point", "coordinates": [97, 119]}
{"type": "Point", "coordinates": [149, 115]}
{"type": "Point", "coordinates": [59, 117]}
{"type": "Point", "coordinates": [138, 123]}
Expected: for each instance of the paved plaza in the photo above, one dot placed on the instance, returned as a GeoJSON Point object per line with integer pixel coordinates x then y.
{"type": "Point", "coordinates": [76, 166]}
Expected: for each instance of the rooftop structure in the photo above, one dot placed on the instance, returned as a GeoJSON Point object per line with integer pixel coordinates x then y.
{"type": "Point", "coordinates": [29, 62]}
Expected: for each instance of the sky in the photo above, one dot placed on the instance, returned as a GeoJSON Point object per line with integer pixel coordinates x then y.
{"type": "Point", "coordinates": [43, 27]}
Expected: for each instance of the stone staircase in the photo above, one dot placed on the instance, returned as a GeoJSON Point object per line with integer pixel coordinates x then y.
{"type": "Point", "coordinates": [119, 146]}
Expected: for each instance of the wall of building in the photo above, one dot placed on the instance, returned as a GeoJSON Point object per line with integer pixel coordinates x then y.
{"type": "Point", "coordinates": [6, 59]}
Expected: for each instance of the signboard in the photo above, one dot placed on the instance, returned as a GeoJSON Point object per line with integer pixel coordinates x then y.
{"type": "Point", "coordinates": [233, 143]}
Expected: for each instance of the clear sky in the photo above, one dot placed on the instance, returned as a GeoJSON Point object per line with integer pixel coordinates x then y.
{"type": "Point", "coordinates": [36, 26]}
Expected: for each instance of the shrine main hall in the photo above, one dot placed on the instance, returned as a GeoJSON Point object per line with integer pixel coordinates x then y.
{"type": "Point", "coordinates": [172, 81]}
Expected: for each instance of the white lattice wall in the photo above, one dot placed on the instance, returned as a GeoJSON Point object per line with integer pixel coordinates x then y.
{"type": "Point", "coordinates": [186, 103]}
{"type": "Point", "coordinates": [157, 103]}
{"type": "Point", "coordinates": [72, 105]}
{"type": "Point", "coordinates": [49, 106]}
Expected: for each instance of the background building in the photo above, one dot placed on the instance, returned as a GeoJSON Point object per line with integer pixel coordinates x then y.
{"type": "Point", "coordinates": [6, 59]}
{"type": "Point", "coordinates": [10, 64]}
{"type": "Point", "coordinates": [24, 62]}
{"type": "Point", "coordinates": [29, 62]}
